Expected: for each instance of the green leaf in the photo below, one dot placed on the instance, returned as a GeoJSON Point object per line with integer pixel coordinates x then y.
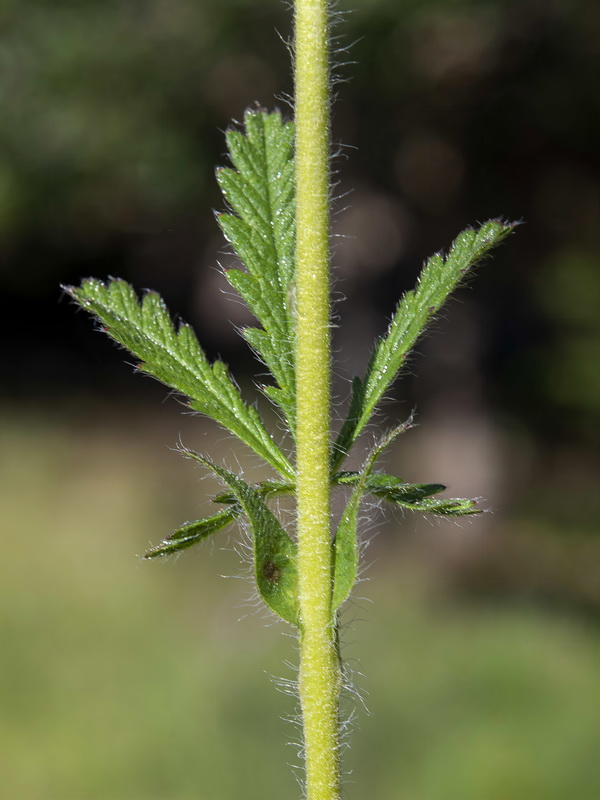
{"type": "Point", "coordinates": [438, 279]}
{"type": "Point", "coordinates": [413, 496]}
{"type": "Point", "coordinates": [266, 489]}
{"type": "Point", "coordinates": [193, 532]}
{"type": "Point", "coordinates": [402, 493]}
{"type": "Point", "coordinates": [174, 356]}
{"type": "Point", "coordinates": [275, 554]}
{"type": "Point", "coordinates": [346, 541]}
{"type": "Point", "coordinates": [445, 506]}
{"type": "Point", "coordinates": [418, 496]}
{"type": "Point", "coordinates": [260, 193]}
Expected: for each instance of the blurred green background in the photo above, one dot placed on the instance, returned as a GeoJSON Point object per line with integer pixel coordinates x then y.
{"type": "Point", "coordinates": [479, 643]}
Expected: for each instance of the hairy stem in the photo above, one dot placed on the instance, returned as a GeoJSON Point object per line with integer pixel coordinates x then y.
{"type": "Point", "coordinates": [319, 679]}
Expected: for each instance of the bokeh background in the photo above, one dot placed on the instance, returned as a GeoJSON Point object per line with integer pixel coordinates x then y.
{"type": "Point", "coordinates": [479, 643]}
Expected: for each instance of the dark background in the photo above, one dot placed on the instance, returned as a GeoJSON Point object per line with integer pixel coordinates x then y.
{"type": "Point", "coordinates": [448, 113]}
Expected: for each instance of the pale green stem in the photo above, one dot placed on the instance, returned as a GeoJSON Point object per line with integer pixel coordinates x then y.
{"type": "Point", "coordinates": [319, 678]}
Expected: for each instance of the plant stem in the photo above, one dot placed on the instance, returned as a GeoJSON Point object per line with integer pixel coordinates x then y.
{"type": "Point", "coordinates": [319, 678]}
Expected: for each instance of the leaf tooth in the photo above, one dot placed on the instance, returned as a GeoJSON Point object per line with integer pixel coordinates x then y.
{"type": "Point", "coordinates": [271, 350]}
{"type": "Point", "coordinates": [264, 307]}
{"type": "Point", "coordinates": [249, 200]}
{"type": "Point", "coordinates": [189, 345]}
{"type": "Point", "coordinates": [254, 249]}
{"type": "Point", "coordinates": [242, 155]}
{"type": "Point", "coordinates": [123, 300]}
{"type": "Point", "coordinates": [156, 320]}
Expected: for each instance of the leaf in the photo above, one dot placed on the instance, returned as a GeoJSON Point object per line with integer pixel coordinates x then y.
{"type": "Point", "coordinates": [193, 532]}
{"type": "Point", "coordinates": [175, 357]}
{"type": "Point", "coordinates": [444, 506]}
{"type": "Point", "coordinates": [345, 543]}
{"type": "Point", "coordinates": [275, 554]}
{"type": "Point", "coordinates": [418, 496]}
{"type": "Point", "coordinates": [264, 488]}
{"type": "Point", "coordinates": [439, 277]}
{"type": "Point", "coordinates": [260, 193]}
{"type": "Point", "coordinates": [413, 496]}
{"type": "Point", "coordinates": [402, 493]}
